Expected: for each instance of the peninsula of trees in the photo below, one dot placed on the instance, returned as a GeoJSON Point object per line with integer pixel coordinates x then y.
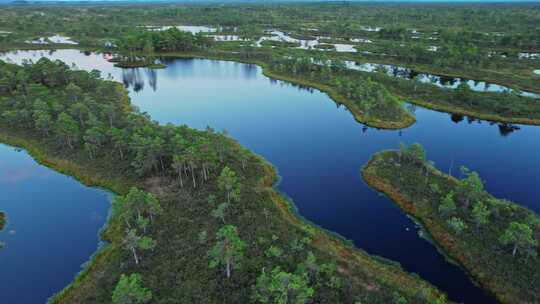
{"type": "Point", "coordinates": [496, 241]}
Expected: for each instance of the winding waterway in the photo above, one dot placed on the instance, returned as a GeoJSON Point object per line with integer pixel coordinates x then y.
{"type": "Point", "coordinates": [318, 149]}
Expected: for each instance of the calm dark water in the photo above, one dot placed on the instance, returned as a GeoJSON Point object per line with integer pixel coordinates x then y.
{"type": "Point", "coordinates": [52, 229]}
{"type": "Point", "coordinates": [318, 149]}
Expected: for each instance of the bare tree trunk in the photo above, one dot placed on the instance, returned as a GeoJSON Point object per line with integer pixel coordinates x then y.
{"type": "Point", "coordinates": [162, 166]}
{"type": "Point", "coordinates": [180, 176]}
{"type": "Point", "coordinates": [193, 177]}
{"type": "Point", "coordinates": [514, 251]}
{"type": "Point", "coordinates": [135, 256]}
{"type": "Point", "coordinates": [228, 269]}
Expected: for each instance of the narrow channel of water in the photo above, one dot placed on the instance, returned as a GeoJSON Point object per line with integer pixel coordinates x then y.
{"type": "Point", "coordinates": [318, 149]}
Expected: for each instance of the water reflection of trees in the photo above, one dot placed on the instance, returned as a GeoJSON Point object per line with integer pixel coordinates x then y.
{"type": "Point", "coordinates": [2, 226]}
{"type": "Point", "coordinates": [294, 85]}
{"type": "Point", "coordinates": [505, 129]}
{"type": "Point", "coordinates": [2, 220]}
{"type": "Point", "coordinates": [134, 78]}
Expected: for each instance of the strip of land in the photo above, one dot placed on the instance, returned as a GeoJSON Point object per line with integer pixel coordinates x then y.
{"type": "Point", "coordinates": [495, 240]}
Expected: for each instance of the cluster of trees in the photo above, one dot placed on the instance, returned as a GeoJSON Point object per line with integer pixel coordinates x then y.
{"type": "Point", "coordinates": [468, 203]}
{"type": "Point", "coordinates": [371, 98]}
{"type": "Point", "coordinates": [129, 290]}
{"type": "Point", "coordinates": [79, 111]}
{"type": "Point", "coordinates": [137, 211]}
{"type": "Point", "coordinates": [470, 198]}
{"type": "Point", "coordinates": [276, 285]}
{"type": "Point", "coordinates": [526, 39]}
{"type": "Point", "coordinates": [146, 42]}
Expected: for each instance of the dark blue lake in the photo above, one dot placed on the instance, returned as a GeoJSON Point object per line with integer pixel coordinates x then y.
{"type": "Point", "coordinates": [319, 149]}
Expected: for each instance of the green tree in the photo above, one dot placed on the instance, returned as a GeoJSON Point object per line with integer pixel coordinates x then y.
{"type": "Point", "coordinates": [93, 138]}
{"type": "Point", "coordinates": [136, 203]}
{"type": "Point", "coordinates": [398, 298]}
{"type": "Point", "coordinates": [79, 110]}
{"type": "Point", "coordinates": [74, 92]}
{"type": "Point", "coordinates": [463, 92]}
{"type": "Point", "coordinates": [66, 129]}
{"type": "Point", "coordinates": [447, 207]}
{"type": "Point", "coordinates": [178, 166]}
{"type": "Point", "coordinates": [120, 140]}
{"type": "Point", "coordinates": [220, 211]}
{"type": "Point", "coordinates": [129, 290]}
{"type": "Point", "coordinates": [470, 188]}
{"type": "Point", "coordinates": [480, 214]}
{"type": "Point", "coordinates": [228, 250]}
{"type": "Point", "coordinates": [133, 242]}
{"type": "Point", "coordinates": [43, 122]}
{"type": "Point", "coordinates": [520, 236]}
{"type": "Point", "coordinates": [228, 182]}
{"type": "Point", "coordinates": [457, 224]}
{"type": "Point", "coordinates": [280, 287]}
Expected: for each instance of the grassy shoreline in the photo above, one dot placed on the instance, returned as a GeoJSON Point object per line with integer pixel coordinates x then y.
{"type": "Point", "coordinates": [452, 245]}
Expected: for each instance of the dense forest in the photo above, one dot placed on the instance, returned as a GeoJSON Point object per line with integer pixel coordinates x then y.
{"type": "Point", "coordinates": [496, 240]}
{"type": "Point", "coordinates": [187, 222]}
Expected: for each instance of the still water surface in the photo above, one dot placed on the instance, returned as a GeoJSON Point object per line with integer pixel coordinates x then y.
{"type": "Point", "coordinates": [53, 224]}
{"type": "Point", "coordinates": [318, 149]}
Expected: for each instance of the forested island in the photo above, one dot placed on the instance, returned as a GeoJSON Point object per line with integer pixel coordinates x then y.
{"type": "Point", "coordinates": [190, 205]}
{"type": "Point", "coordinates": [496, 240]}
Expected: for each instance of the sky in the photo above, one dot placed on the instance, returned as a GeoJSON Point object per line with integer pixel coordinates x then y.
{"type": "Point", "coordinates": [225, 1]}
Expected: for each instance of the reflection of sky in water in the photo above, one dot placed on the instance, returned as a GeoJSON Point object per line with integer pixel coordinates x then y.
{"type": "Point", "coordinates": [14, 169]}
{"type": "Point", "coordinates": [52, 227]}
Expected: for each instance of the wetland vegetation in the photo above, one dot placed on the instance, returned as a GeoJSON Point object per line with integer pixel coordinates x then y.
{"type": "Point", "coordinates": [197, 218]}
